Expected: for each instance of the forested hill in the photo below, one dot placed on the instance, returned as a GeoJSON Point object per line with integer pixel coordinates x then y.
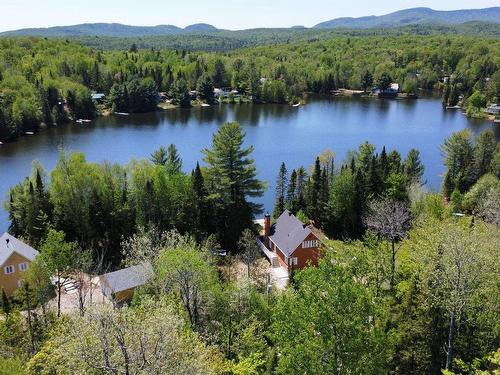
{"type": "Point", "coordinates": [111, 30]}
{"type": "Point", "coordinates": [416, 16]}
{"type": "Point", "coordinates": [226, 40]}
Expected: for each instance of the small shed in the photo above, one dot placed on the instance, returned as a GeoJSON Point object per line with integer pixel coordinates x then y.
{"type": "Point", "coordinates": [119, 286]}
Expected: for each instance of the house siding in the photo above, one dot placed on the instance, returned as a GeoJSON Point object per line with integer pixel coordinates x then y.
{"type": "Point", "coordinates": [10, 282]}
{"type": "Point", "coordinates": [307, 256]}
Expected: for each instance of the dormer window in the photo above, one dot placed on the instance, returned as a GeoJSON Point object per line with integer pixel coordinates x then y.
{"type": "Point", "coordinates": [8, 270]}
{"type": "Point", "coordinates": [309, 244]}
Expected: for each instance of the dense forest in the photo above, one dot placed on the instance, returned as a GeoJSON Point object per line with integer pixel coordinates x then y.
{"type": "Point", "coordinates": [408, 283]}
{"type": "Point", "coordinates": [50, 81]}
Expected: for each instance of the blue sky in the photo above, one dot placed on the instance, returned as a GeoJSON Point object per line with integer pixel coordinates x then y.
{"type": "Point", "coordinates": [229, 14]}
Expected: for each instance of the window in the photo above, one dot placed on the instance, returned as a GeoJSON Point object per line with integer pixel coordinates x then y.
{"type": "Point", "coordinates": [8, 270]}
{"type": "Point", "coordinates": [23, 266]}
{"type": "Point", "coordinates": [293, 261]}
{"type": "Point", "coordinates": [308, 244]}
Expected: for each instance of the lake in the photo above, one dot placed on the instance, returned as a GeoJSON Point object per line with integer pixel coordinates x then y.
{"type": "Point", "coordinates": [278, 133]}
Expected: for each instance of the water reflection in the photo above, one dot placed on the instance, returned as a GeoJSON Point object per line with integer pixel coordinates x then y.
{"type": "Point", "coordinates": [278, 132]}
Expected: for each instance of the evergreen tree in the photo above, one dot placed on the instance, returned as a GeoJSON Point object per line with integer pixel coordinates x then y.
{"type": "Point", "coordinates": [160, 156]}
{"type": "Point", "coordinates": [484, 150]}
{"type": "Point", "coordinates": [203, 210]}
{"type": "Point", "coordinates": [366, 80]}
{"type": "Point", "coordinates": [413, 167]}
{"type": "Point", "coordinates": [281, 190]}
{"type": "Point", "coordinates": [383, 165]}
{"type": "Point", "coordinates": [205, 88]}
{"type": "Point", "coordinates": [233, 178]}
{"type": "Point", "coordinates": [180, 93]}
{"type": "Point", "coordinates": [291, 193]}
{"type": "Point", "coordinates": [315, 193]}
{"type": "Point", "coordinates": [301, 189]}
{"type": "Point", "coordinates": [219, 74]}
{"type": "Point", "coordinates": [174, 161]}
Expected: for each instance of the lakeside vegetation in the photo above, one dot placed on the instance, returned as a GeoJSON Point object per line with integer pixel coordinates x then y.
{"type": "Point", "coordinates": [50, 81]}
{"type": "Point", "coordinates": [407, 286]}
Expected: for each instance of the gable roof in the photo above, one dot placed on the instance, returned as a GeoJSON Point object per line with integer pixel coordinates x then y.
{"type": "Point", "coordinates": [126, 278]}
{"type": "Point", "coordinates": [288, 232]}
{"type": "Point", "coordinates": [13, 245]}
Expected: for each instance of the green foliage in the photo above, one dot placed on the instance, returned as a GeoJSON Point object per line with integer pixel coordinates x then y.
{"type": "Point", "coordinates": [232, 174]}
{"type": "Point", "coordinates": [11, 366]}
{"type": "Point", "coordinates": [50, 80]}
{"type": "Point", "coordinates": [327, 324]}
{"type": "Point", "coordinates": [281, 186]}
{"type": "Point", "coordinates": [477, 193]}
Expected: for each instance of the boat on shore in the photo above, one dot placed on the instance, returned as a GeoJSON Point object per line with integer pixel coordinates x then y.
{"type": "Point", "coordinates": [122, 113]}
{"type": "Point", "coordinates": [29, 133]}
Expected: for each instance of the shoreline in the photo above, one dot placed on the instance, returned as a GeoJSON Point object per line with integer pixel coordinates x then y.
{"type": "Point", "coordinates": [164, 106]}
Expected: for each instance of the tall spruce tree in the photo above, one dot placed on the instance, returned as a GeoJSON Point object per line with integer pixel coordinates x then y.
{"type": "Point", "coordinates": [281, 190]}
{"type": "Point", "coordinates": [413, 167]}
{"type": "Point", "coordinates": [291, 193]}
{"type": "Point", "coordinates": [174, 161]}
{"type": "Point", "coordinates": [314, 195]}
{"type": "Point", "coordinates": [202, 208]}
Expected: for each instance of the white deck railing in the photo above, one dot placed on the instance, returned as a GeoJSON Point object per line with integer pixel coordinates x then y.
{"type": "Point", "coordinates": [272, 257]}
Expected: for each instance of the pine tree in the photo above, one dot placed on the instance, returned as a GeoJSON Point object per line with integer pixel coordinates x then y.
{"type": "Point", "coordinates": [281, 190]}
{"type": "Point", "coordinates": [233, 178]}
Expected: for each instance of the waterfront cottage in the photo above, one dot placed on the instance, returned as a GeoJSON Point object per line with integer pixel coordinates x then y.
{"type": "Point", "coordinates": [119, 286]}
{"type": "Point", "coordinates": [493, 109]}
{"type": "Point", "coordinates": [294, 244]}
{"type": "Point", "coordinates": [15, 257]}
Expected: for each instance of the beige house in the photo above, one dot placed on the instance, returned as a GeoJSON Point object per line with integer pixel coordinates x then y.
{"type": "Point", "coordinates": [15, 257]}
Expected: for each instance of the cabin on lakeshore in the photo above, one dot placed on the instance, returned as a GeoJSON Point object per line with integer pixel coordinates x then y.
{"type": "Point", "coordinates": [15, 257]}
{"type": "Point", "coordinates": [98, 97]}
{"type": "Point", "coordinates": [119, 286]}
{"type": "Point", "coordinates": [391, 92]}
{"type": "Point", "coordinates": [493, 109]}
{"type": "Point", "coordinates": [289, 243]}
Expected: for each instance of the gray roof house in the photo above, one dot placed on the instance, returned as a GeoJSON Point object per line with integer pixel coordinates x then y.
{"type": "Point", "coordinates": [119, 285]}
{"type": "Point", "coordinates": [295, 244]}
{"type": "Point", "coordinates": [288, 232]}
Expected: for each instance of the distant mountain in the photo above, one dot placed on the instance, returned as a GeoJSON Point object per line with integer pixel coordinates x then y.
{"type": "Point", "coordinates": [200, 28]}
{"type": "Point", "coordinates": [415, 16]}
{"type": "Point", "coordinates": [111, 30]}
{"type": "Point", "coordinates": [403, 18]}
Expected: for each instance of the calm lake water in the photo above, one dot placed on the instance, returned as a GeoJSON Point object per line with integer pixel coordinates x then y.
{"type": "Point", "coordinates": [278, 133]}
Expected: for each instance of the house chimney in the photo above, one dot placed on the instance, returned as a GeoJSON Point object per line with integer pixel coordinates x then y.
{"type": "Point", "coordinates": [267, 228]}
